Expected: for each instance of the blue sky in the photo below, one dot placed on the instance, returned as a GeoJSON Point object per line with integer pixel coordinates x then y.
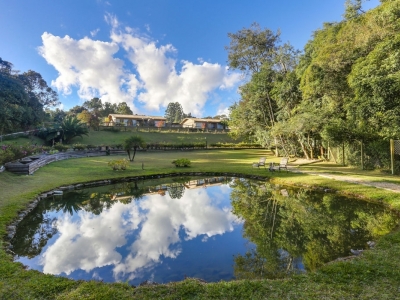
{"type": "Point", "coordinates": [148, 52]}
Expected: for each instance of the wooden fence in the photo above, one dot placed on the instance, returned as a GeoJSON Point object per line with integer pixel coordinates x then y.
{"type": "Point", "coordinates": [28, 165]}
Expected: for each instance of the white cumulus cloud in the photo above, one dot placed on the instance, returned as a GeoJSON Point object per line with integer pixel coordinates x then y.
{"type": "Point", "coordinates": [90, 66]}
{"type": "Point", "coordinates": [152, 76]}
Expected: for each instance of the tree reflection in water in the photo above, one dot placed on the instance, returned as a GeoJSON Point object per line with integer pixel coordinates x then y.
{"type": "Point", "coordinates": [35, 230]}
{"type": "Point", "coordinates": [176, 190]}
{"type": "Point", "coordinates": [301, 227]}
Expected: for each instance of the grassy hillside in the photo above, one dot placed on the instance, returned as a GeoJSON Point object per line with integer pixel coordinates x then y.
{"type": "Point", "coordinates": [110, 138]}
{"type": "Point", "coordinates": [107, 137]}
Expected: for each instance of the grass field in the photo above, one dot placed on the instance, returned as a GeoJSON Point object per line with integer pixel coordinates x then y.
{"type": "Point", "coordinates": [376, 275]}
{"type": "Point", "coordinates": [110, 138]}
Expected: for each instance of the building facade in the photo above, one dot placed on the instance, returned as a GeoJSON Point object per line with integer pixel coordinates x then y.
{"type": "Point", "coordinates": [135, 120]}
{"type": "Point", "coordinates": [211, 124]}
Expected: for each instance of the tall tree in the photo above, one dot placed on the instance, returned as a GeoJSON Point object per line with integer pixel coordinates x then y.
{"type": "Point", "coordinates": [93, 105]}
{"type": "Point", "coordinates": [5, 66]}
{"type": "Point", "coordinates": [74, 111]}
{"type": "Point", "coordinates": [55, 116]}
{"type": "Point", "coordinates": [19, 110]}
{"type": "Point", "coordinates": [250, 48]}
{"type": "Point", "coordinates": [36, 85]}
{"type": "Point", "coordinates": [174, 112]}
{"type": "Point", "coordinates": [108, 108]}
{"type": "Point", "coordinates": [123, 109]}
{"type": "Point", "coordinates": [353, 9]}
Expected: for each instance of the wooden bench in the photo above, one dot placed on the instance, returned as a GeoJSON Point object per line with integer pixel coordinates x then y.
{"type": "Point", "coordinates": [282, 165]}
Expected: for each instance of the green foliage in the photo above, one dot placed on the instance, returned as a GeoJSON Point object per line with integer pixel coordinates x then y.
{"type": "Point", "coordinates": [118, 164]}
{"type": "Point", "coordinates": [316, 227]}
{"type": "Point", "coordinates": [174, 112]}
{"type": "Point", "coordinates": [60, 147]}
{"type": "Point", "coordinates": [10, 153]}
{"type": "Point", "coordinates": [344, 88]}
{"type": "Point", "coordinates": [114, 129]}
{"type": "Point", "coordinates": [353, 9]}
{"type": "Point", "coordinates": [91, 147]}
{"type": "Point", "coordinates": [72, 127]}
{"type": "Point", "coordinates": [123, 109]}
{"type": "Point", "coordinates": [134, 142]}
{"type": "Point", "coordinates": [79, 146]}
{"type": "Point", "coordinates": [375, 80]}
{"type": "Point", "coordinates": [19, 109]}
{"type": "Point", "coordinates": [182, 162]}
{"type": "Point", "coordinates": [37, 88]}
{"type": "Point", "coordinates": [236, 145]}
{"type": "Point", "coordinates": [250, 48]}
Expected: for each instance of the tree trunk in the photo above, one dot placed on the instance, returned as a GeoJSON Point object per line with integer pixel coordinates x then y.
{"type": "Point", "coordinates": [310, 147]}
{"type": "Point", "coordinates": [129, 155]}
{"type": "Point", "coordinates": [134, 153]}
{"type": "Point", "coordinates": [303, 148]}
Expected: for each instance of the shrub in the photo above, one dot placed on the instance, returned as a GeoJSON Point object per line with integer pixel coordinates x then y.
{"type": "Point", "coordinates": [60, 147]}
{"type": "Point", "coordinates": [112, 129]}
{"type": "Point", "coordinates": [79, 146]}
{"type": "Point", "coordinates": [182, 162]}
{"type": "Point", "coordinates": [118, 164]}
{"type": "Point", "coordinates": [11, 152]}
{"type": "Point", "coordinates": [53, 151]}
{"type": "Point", "coordinates": [238, 145]}
{"type": "Point", "coordinates": [6, 155]}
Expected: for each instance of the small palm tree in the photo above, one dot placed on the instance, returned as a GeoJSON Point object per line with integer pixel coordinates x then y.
{"type": "Point", "coordinates": [133, 142]}
{"type": "Point", "coordinates": [72, 127]}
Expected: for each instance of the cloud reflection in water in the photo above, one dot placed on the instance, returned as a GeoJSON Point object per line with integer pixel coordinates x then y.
{"type": "Point", "coordinates": [91, 241]}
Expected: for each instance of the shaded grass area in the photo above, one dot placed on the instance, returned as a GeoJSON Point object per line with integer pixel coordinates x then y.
{"type": "Point", "coordinates": [23, 141]}
{"type": "Point", "coordinates": [112, 138]}
{"type": "Point", "coordinates": [109, 138]}
{"type": "Point", "coordinates": [376, 275]}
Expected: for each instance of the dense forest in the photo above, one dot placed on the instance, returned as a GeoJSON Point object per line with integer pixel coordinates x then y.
{"type": "Point", "coordinates": [342, 89]}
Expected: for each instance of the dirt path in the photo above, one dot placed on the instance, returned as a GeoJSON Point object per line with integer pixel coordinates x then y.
{"type": "Point", "coordinates": [351, 179]}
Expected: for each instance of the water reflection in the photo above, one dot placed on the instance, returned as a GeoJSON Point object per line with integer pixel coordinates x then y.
{"type": "Point", "coordinates": [108, 228]}
{"type": "Point", "coordinates": [164, 230]}
{"type": "Point", "coordinates": [299, 229]}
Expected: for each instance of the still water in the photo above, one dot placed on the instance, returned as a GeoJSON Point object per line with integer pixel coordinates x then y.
{"type": "Point", "coordinates": [210, 228]}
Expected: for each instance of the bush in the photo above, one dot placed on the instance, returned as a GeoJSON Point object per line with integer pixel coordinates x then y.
{"type": "Point", "coordinates": [182, 162]}
{"type": "Point", "coordinates": [79, 146]}
{"type": "Point", "coordinates": [238, 145]}
{"type": "Point", "coordinates": [118, 164]}
{"type": "Point", "coordinates": [11, 152]}
{"type": "Point", "coordinates": [61, 147]}
{"type": "Point", "coordinates": [6, 155]}
{"type": "Point", "coordinates": [112, 129]}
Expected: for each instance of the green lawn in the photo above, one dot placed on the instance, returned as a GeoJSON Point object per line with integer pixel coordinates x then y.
{"type": "Point", "coordinates": [376, 275]}
{"type": "Point", "coordinates": [107, 137]}
{"type": "Point", "coordinates": [110, 138]}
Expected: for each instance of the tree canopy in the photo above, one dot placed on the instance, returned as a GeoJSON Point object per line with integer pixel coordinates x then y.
{"type": "Point", "coordinates": [174, 113]}
{"type": "Point", "coordinates": [21, 106]}
{"type": "Point", "coordinates": [133, 143]}
{"type": "Point", "coordinates": [343, 88]}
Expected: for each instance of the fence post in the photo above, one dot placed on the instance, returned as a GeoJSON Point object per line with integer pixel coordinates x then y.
{"type": "Point", "coordinates": [362, 155]}
{"type": "Point", "coordinates": [392, 155]}
{"type": "Point", "coordinates": [343, 161]}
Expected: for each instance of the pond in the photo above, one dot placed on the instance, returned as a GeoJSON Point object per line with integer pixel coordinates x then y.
{"type": "Point", "coordinates": [214, 228]}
